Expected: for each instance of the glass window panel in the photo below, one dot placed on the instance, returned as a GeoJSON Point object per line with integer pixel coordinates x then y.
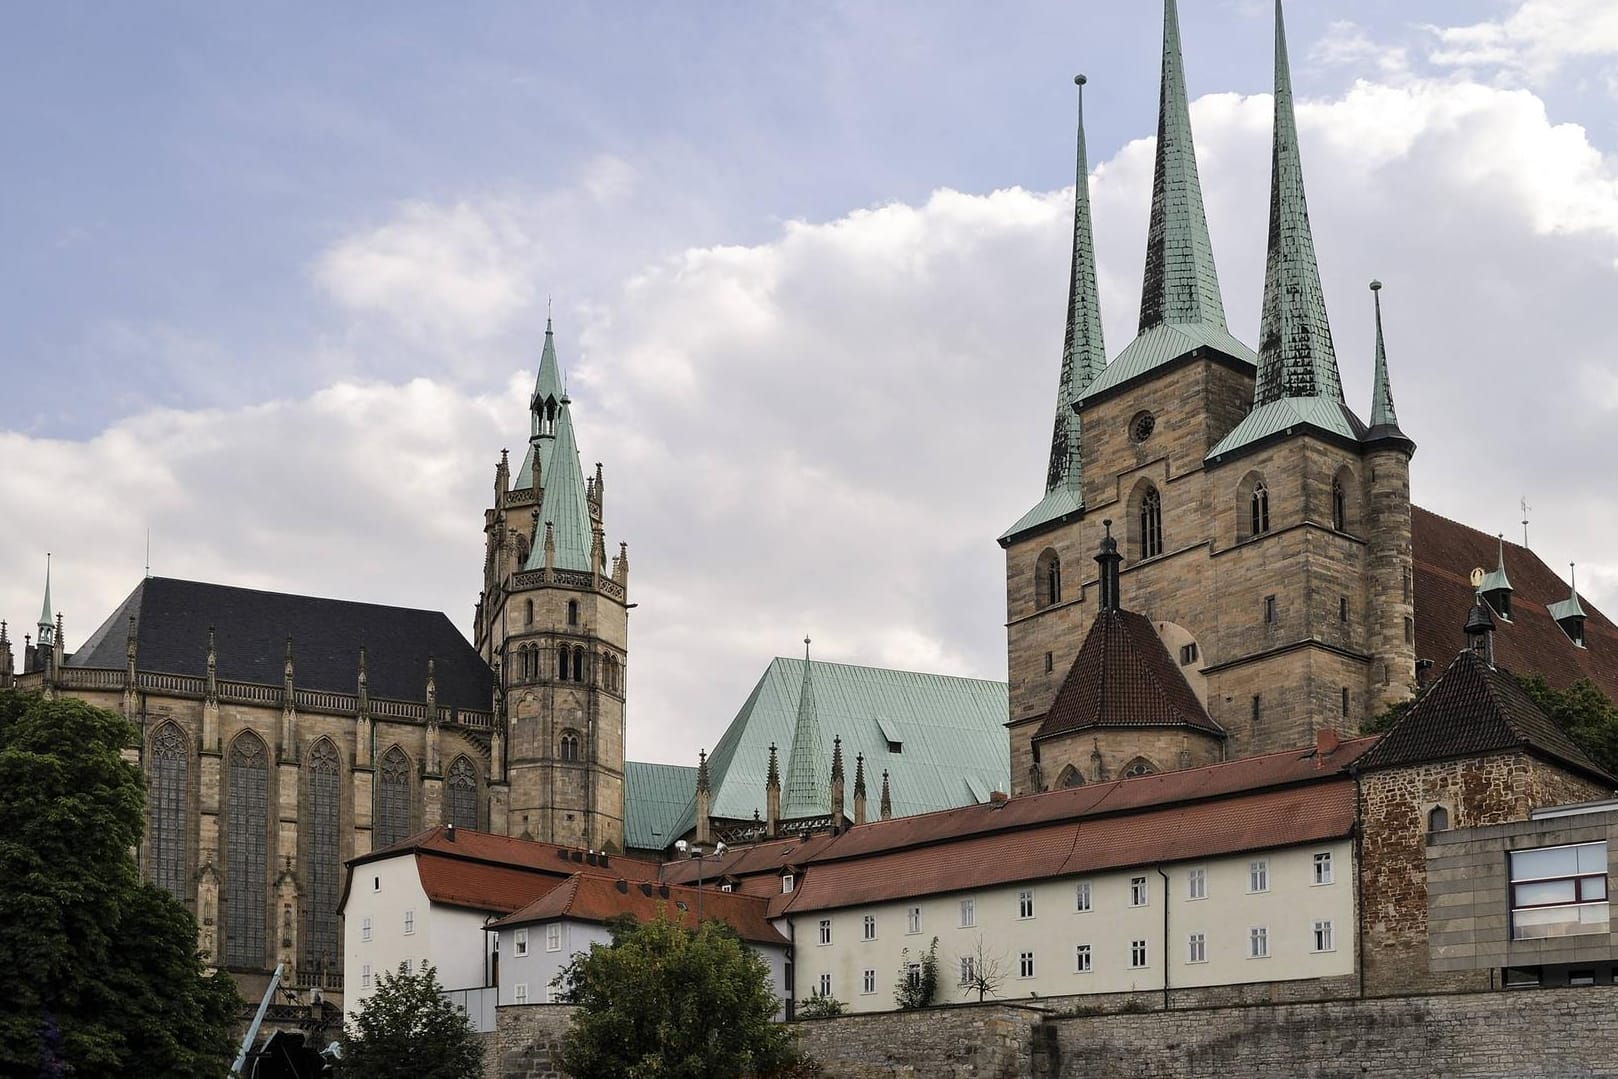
{"type": "Point", "coordinates": [1592, 888]}
{"type": "Point", "coordinates": [462, 784]}
{"type": "Point", "coordinates": [1542, 892]}
{"type": "Point", "coordinates": [393, 798]}
{"type": "Point", "coordinates": [170, 774]}
{"type": "Point", "coordinates": [1592, 857]}
{"type": "Point", "coordinates": [322, 861]}
{"type": "Point", "coordinates": [1594, 914]}
{"type": "Point", "coordinates": [1552, 862]}
{"type": "Point", "coordinates": [246, 861]}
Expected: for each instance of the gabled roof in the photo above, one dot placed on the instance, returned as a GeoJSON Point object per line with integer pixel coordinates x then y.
{"type": "Point", "coordinates": [1057, 506]}
{"type": "Point", "coordinates": [1445, 553]}
{"type": "Point", "coordinates": [1160, 345]}
{"type": "Point", "coordinates": [655, 795]}
{"type": "Point", "coordinates": [251, 628]}
{"type": "Point", "coordinates": [1475, 709]}
{"type": "Point", "coordinates": [1282, 417]}
{"type": "Point", "coordinates": [1123, 676]}
{"type": "Point", "coordinates": [588, 897]}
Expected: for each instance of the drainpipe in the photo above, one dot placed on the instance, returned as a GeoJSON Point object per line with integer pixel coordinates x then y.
{"type": "Point", "coordinates": [792, 960]}
{"type": "Point", "coordinates": [1359, 891]}
{"type": "Point", "coordinates": [1165, 877]}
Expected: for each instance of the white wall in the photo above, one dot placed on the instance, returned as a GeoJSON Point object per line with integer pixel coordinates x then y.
{"type": "Point", "coordinates": [1287, 910]}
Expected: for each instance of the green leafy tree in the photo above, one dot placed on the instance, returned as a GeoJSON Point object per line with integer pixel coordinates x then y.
{"type": "Point", "coordinates": [408, 1028]}
{"type": "Point", "coordinates": [918, 979]}
{"type": "Point", "coordinates": [821, 1006]}
{"type": "Point", "coordinates": [665, 1002]}
{"type": "Point", "coordinates": [1582, 710]}
{"type": "Point", "coordinates": [99, 973]}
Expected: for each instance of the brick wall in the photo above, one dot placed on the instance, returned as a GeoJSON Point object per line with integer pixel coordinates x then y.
{"type": "Point", "coordinates": [985, 1041]}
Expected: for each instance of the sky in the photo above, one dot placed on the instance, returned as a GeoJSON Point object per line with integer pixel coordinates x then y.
{"type": "Point", "coordinates": [276, 277]}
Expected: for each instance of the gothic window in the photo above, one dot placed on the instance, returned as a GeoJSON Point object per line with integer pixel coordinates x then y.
{"type": "Point", "coordinates": [392, 798]}
{"type": "Point", "coordinates": [570, 746]}
{"type": "Point", "coordinates": [530, 663]}
{"type": "Point", "coordinates": [1070, 777]}
{"type": "Point", "coordinates": [1151, 523]}
{"type": "Point", "coordinates": [170, 772]}
{"type": "Point", "coordinates": [528, 613]}
{"type": "Point", "coordinates": [246, 856]}
{"type": "Point", "coordinates": [561, 662]}
{"type": "Point", "coordinates": [572, 612]}
{"type": "Point", "coordinates": [1259, 510]}
{"type": "Point", "coordinates": [323, 863]}
{"type": "Point", "coordinates": [1341, 518]}
{"type": "Point", "coordinates": [462, 800]}
{"type": "Point", "coordinates": [1047, 579]}
{"type": "Point", "coordinates": [1140, 766]}
{"type": "Point", "coordinates": [1438, 819]}
{"type": "Point", "coordinates": [578, 664]}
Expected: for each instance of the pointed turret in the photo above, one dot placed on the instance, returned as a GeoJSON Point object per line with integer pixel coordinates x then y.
{"type": "Point", "coordinates": [859, 788]}
{"type": "Point", "coordinates": [704, 822]}
{"type": "Point", "coordinates": [211, 686]}
{"type": "Point", "coordinates": [47, 620]}
{"type": "Point", "coordinates": [1382, 413]}
{"type": "Point", "coordinates": [807, 778]}
{"type": "Point", "coordinates": [772, 795]}
{"type": "Point", "coordinates": [1495, 587]}
{"type": "Point", "coordinates": [886, 808]}
{"type": "Point", "coordinates": [543, 406]}
{"type": "Point", "coordinates": [564, 508]}
{"type": "Point", "coordinates": [1569, 613]}
{"type": "Point", "coordinates": [1480, 630]}
{"type": "Point", "coordinates": [837, 783]}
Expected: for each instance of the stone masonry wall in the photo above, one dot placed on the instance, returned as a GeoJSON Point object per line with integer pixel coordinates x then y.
{"type": "Point", "coordinates": [526, 1040]}
{"type": "Point", "coordinates": [984, 1041]}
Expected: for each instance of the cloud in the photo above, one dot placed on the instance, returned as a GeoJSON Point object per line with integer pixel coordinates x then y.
{"type": "Point", "coordinates": [1346, 44]}
{"type": "Point", "coordinates": [824, 432]}
{"type": "Point", "coordinates": [1534, 40]}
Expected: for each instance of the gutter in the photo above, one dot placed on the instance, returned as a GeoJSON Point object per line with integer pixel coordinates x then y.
{"type": "Point", "coordinates": [1165, 877]}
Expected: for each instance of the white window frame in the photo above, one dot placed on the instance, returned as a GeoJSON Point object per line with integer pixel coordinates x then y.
{"type": "Point", "coordinates": [365, 977]}
{"type": "Point", "coordinates": [1258, 876]}
{"type": "Point", "coordinates": [1083, 960]}
{"type": "Point", "coordinates": [1082, 899]}
{"type": "Point", "coordinates": [365, 927]}
{"type": "Point", "coordinates": [870, 927]}
{"type": "Point", "coordinates": [825, 985]}
{"type": "Point", "coordinates": [519, 942]}
{"type": "Point", "coordinates": [1025, 965]}
{"type": "Point", "coordinates": [1325, 936]}
{"type": "Point", "coordinates": [1025, 903]}
{"type": "Point", "coordinates": [1324, 871]}
{"type": "Point", "coordinates": [913, 920]}
{"type": "Point", "coordinates": [1196, 948]}
{"type": "Point", "coordinates": [969, 969]}
{"type": "Point", "coordinates": [1258, 942]}
{"type": "Point", "coordinates": [1140, 956]}
{"type": "Point", "coordinates": [553, 937]}
{"type": "Point", "coordinates": [409, 923]}
{"type": "Point", "coordinates": [969, 913]}
{"type": "Point", "coordinates": [1140, 893]}
{"type": "Point", "coordinates": [786, 883]}
{"type": "Point", "coordinates": [1196, 883]}
{"type": "Point", "coordinates": [825, 932]}
{"type": "Point", "coordinates": [519, 993]}
{"type": "Point", "coordinates": [868, 982]}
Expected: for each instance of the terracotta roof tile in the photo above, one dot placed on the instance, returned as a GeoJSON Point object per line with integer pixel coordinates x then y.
{"type": "Point", "coordinates": [590, 897]}
{"type": "Point", "coordinates": [1123, 676]}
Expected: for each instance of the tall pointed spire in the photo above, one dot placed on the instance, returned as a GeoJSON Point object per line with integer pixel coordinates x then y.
{"type": "Point", "coordinates": [47, 619]}
{"type": "Point", "coordinates": [1296, 356]}
{"type": "Point", "coordinates": [1384, 420]}
{"type": "Point", "coordinates": [1084, 353]}
{"type": "Point", "coordinates": [1181, 284]}
{"type": "Point", "coordinates": [543, 407]}
{"type": "Point", "coordinates": [563, 506]}
{"type": "Point", "coordinates": [886, 808]}
{"type": "Point", "coordinates": [808, 781]}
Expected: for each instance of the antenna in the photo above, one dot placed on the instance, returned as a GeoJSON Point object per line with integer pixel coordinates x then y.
{"type": "Point", "coordinates": [1524, 504]}
{"type": "Point", "coordinates": [148, 552]}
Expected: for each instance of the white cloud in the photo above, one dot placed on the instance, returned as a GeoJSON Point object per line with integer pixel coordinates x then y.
{"type": "Point", "coordinates": [1534, 40]}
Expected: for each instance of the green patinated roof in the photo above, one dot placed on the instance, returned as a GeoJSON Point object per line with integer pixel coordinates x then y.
{"type": "Point", "coordinates": [808, 780]}
{"type": "Point", "coordinates": [563, 505]}
{"type": "Point", "coordinates": [655, 798]}
{"type": "Point", "coordinates": [1161, 344]}
{"type": "Point", "coordinates": [1384, 420]}
{"type": "Point", "coordinates": [952, 733]}
{"type": "Point", "coordinates": [1296, 356]}
{"type": "Point", "coordinates": [1180, 283]}
{"type": "Point", "coordinates": [1496, 580]}
{"type": "Point", "coordinates": [1054, 506]}
{"type": "Point", "coordinates": [547, 388]}
{"type": "Point", "coordinates": [1287, 415]}
{"type": "Point", "coordinates": [47, 620]}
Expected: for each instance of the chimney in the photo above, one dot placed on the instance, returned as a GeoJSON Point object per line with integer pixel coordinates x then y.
{"type": "Point", "coordinates": [449, 833]}
{"type": "Point", "coordinates": [1326, 743]}
{"type": "Point", "coordinates": [1108, 559]}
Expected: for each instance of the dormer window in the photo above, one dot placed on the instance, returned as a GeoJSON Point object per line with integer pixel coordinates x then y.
{"type": "Point", "coordinates": [787, 881]}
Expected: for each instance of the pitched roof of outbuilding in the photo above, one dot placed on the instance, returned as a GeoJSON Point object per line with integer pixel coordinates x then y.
{"type": "Point", "coordinates": [591, 897]}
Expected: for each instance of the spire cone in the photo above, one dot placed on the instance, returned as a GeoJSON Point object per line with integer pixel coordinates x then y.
{"type": "Point", "coordinates": [543, 405]}
{"type": "Point", "coordinates": [808, 780]}
{"type": "Point", "coordinates": [47, 620]}
{"type": "Point", "coordinates": [564, 506]}
{"type": "Point", "coordinates": [1084, 353]}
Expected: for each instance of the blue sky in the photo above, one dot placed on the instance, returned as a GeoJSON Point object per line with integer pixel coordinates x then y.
{"type": "Point", "coordinates": [276, 275]}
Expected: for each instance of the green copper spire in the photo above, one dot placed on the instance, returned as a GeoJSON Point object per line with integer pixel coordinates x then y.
{"type": "Point", "coordinates": [1296, 357]}
{"type": "Point", "coordinates": [1383, 418]}
{"type": "Point", "coordinates": [1084, 354]}
{"type": "Point", "coordinates": [563, 506]}
{"type": "Point", "coordinates": [47, 620]}
{"type": "Point", "coordinates": [1181, 284]}
{"type": "Point", "coordinates": [808, 784]}
{"type": "Point", "coordinates": [542, 407]}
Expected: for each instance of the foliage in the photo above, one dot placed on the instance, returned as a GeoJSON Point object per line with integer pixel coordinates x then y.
{"type": "Point", "coordinates": [409, 1028]}
{"type": "Point", "coordinates": [983, 973]}
{"type": "Point", "coordinates": [820, 1006]}
{"type": "Point", "coordinates": [665, 1002]}
{"type": "Point", "coordinates": [918, 983]}
{"type": "Point", "coordinates": [101, 974]}
{"type": "Point", "coordinates": [1385, 719]}
{"type": "Point", "coordinates": [1584, 712]}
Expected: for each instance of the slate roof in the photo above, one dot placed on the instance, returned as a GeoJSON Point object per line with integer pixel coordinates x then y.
{"type": "Point", "coordinates": [588, 897]}
{"type": "Point", "coordinates": [1123, 676]}
{"type": "Point", "coordinates": [655, 795]}
{"type": "Point", "coordinates": [1446, 552]}
{"type": "Point", "coordinates": [1475, 709]}
{"type": "Point", "coordinates": [251, 627]}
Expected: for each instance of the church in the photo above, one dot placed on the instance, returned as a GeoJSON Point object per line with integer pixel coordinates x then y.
{"type": "Point", "coordinates": [1262, 578]}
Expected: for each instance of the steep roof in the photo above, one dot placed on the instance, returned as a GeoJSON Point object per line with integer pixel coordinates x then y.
{"type": "Point", "coordinates": [1445, 553]}
{"type": "Point", "coordinates": [1475, 708]}
{"type": "Point", "coordinates": [1123, 676]}
{"type": "Point", "coordinates": [563, 505]}
{"type": "Point", "coordinates": [589, 897]}
{"type": "Point", "coordinates": [950, 733]}
{"type": "Point", "coordinates": [655, 795]}
{"type": "Point", "coordinates": [251, 627]}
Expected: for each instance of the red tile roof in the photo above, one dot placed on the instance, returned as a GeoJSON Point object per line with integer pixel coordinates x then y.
{"type": "Point", "coordinates": [591, 898]}
{"type": "Point", "coordinates": [459, 883]}
{"type": "Point", "coordinates": [1445, 554]}
{"type": "Point", "coordinates": [768, 857]}
{"type": "Point", "coordinates": [1123, 676]}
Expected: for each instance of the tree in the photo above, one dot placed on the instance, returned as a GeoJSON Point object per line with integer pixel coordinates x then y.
{"type": "Point", "coordinates": [99, 973]}
{"type": "Point", "coordinates": [409, 1028]}
{"type": "Point", "coordinates": [665, 1002]}
{"type": "Point", "coordinates": [1584, 712]}
{"type": "Point", "coordinates": [982, 973]}
{"type": "Point", "coordinates": [918, 978]}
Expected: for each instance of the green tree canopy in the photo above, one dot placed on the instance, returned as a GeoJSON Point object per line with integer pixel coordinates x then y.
{"type": "Point", "coordinates": [408, 1029]}
{"type": "Point", "coordinates": [99, 973]}
{"type": "Point", "coordinates": [1582, 710]}
{"type": "Point", "coordinates": [665, 1002]}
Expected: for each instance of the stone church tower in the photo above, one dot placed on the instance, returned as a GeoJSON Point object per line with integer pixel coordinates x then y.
{"type": "Point", "coordinates": [1265, 529]}
{"type": "Point", "coordinates": [553, 623]}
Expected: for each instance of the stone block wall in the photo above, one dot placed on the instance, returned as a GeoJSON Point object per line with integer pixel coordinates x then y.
{"type": "Point", "coordinates": [984, 1041]}
{"type": "Point", "coordinates": [526, 1041]}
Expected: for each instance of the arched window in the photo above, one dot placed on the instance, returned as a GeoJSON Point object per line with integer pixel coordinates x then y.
{"type": "Point", "coordinates": [392, 798]}
{"type": "Point", "coordinates": [1339, 506]}
{"type": "Point", "coordinates": [1070, 777]}
{"type": "Point", "coordinates": [461, 808]}
{"type": "Point", "coordinates": [1140, 766]}
{"type": "Point", "coordinates": [1151, 523]}
{"type": "Point", "coordinates": [322, 862]}
{"type": "Point", "coordinates": [570, 746]}
{"type": "Point", "coordinates": [246, 859]}
{"type": "Point", "coordinates": [561, 662]}
{"type": "Point", "coordinates": [572, 612]}
{"type": "Point", "coordinates": [1438, 819]}
{"type": "Point", "coordinates": [1258, 513]}
{"type": "Point", "coordinates": [170, 776]}
{"type": "Point", "coordinates": [578, 664]}
{"type": "Point", "coordinates": [528, 613]}
{"type": "Point", "coordinates": [1047, 579]}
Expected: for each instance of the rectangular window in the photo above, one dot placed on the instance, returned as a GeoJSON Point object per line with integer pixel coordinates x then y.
{"type": "Point", "coordinates": [1323, 872]}
{"type": "Point", "coordinates": [1410, 628]}
{"type": "Point", "coordinates": [1258, 875]}
{"type": "Point", "coordinates": [1258, 942]}
{"type": "Point", "coordinates": [1137, 891]}
{"type": "Point", "coordinates": [376, 884]}
{"type": "Point", "coordinates": [1269, 610]}
{"type": "Point", "coordinates": [1025, 904]}
{"type": "Point", "coordinates": [519, 993]}
{"type": "Point", "coordinates": [365, 928]}
{"type": "Point", "coordinates": [410, 922]}
{"type": "Point", "coordinates": [1559, 891]}
{"type": "Point", "coordinates": [1025, 965]}
{"type": "Point", "coordinates": [1323, 936]}
{"type": "Point", "coordinates": [1137, 953]}
{"type": "Point", "coordinates": [365, 976]}
{"type": "Point", "coordinates": [1342, 609]}
{"type": "Point", "coordinates": [825, 930]}
{"type": "Point", "coordinates": [1196, 948]}
{"type": "Point", "coordinates": [1345, 701]}
{"type": "Point", "coordinates": [519, 942]}
{"type": "Point", "coordinates": [1081, 959]}
{"type": "Point", "coordinates": [1050, 662]}
{"type": "Point", "coordinates": [913, 920]}
{"type": "Point", "coordinates": [1081, 896]}
{"type": "Point", "coordinates": [868, 982]}
{"type": "Point", "coordinates": [1188, 654]}
{"type": "Point", "coordinates": [825, 985]}
{"type": "Point", "coordinates": [870, 927]}
{"type": "Point", "coordinates": [1196, 883]}
{"type": "Point", "coordinates": [409, 966]}
{"type": "Point", "coordinates": [969, 969]}
{"type": "Point", "coordinates": [969, 914]}
{"type": "Point", "coordinates": [786, 883]}
{"type": "Point", "coordinates": [553, 937]}
{"type": "Point", "coordinates": [913, 975]}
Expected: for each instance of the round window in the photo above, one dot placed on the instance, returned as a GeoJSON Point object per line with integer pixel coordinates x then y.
{"type": "Point", "coordinates": [1142, 426]}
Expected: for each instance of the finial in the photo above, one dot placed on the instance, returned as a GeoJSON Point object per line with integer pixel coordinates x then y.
{"type": "Point", "coordinates": [806, 649]}
{"type": "Point", "coordinates": [1107, 524]}
{"type": "Point", "coordinates": [1376, 286]}
{"type": "Point", "coordinates": [1079, 80]}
